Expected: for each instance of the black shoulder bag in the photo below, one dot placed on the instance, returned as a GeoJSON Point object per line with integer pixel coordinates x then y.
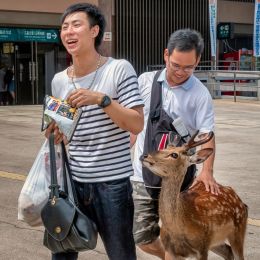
{"type": "Point", "coordinates": [67, 229]}
{"type": "Point", "coordinates": [159, 125]}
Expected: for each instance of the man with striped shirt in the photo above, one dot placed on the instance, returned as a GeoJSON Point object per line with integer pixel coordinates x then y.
{"type": "Point", "coordinates": [107, 90]}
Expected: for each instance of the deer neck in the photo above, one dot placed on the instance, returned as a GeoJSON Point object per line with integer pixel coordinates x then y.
{"type": "Point", "coordinates": [170, 203]}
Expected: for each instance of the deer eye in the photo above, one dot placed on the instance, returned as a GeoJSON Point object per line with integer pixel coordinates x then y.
{"type": "Point", "coordinates": [174, 155]}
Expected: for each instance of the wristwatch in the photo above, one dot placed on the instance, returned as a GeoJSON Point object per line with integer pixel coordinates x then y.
{"type": "Point", "coordinates": [105, 101]}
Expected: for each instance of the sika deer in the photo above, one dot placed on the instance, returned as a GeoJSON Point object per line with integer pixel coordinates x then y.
{"type": "Point", "coordinates": [195, 221]}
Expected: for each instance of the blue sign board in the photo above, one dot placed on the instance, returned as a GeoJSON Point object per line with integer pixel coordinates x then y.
{"type": "Point", "coordinates": [257, 29]}
{"type": "Point", "coordinates": [212, 26]}
{"type": "Point", "coordinates": [28, 35]}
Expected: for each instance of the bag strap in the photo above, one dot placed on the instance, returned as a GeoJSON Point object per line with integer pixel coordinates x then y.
{"type": "Point", "coordinates": [156, 104]}
{"type": "Point", "coordinates": [65, 181]}
{"type": "Point", "coordinates": [69, 174]}
{"type": "Point", "coordinates": [54, 187]}
{"type": "Point", "coordinates": [156, 95]}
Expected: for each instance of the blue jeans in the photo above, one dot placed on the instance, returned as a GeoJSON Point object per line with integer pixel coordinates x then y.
{"type": "Point", "coordinates": [110, 205]}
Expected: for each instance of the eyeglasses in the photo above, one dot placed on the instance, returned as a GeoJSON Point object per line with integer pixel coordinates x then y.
{"type": "Point", "coordinates": [186, 69]}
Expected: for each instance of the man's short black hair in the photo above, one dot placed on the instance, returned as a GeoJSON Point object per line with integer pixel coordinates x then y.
{"type": "Point", "coordinates": [186, 40]}
{"type": "Point", "coordinates": [94, 15]}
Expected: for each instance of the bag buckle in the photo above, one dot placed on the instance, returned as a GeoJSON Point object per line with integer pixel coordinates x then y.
{"type": "Point", "coordinates": [53, 201]}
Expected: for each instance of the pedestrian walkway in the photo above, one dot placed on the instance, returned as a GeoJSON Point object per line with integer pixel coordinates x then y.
{"type": "Point", "coordinates": [237, 164]}
{"type": "Point", "coordinates": [13, 176]}
{"type": "Point", "coordinates": [21, 177]}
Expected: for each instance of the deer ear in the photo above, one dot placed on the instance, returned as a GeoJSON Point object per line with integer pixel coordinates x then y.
{"type": "Point", "coordinates": [201, 155]}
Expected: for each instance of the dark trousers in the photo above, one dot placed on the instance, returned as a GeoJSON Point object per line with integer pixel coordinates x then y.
{"type": "Point", "coordinates": [110, 205]}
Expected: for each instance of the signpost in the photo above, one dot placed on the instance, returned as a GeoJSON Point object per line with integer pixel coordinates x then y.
{"type": "Point", "coordinates": [212, 27]}
{"type": "Point", "coordinates": [29, 35]}
{"type": "Point", "coordinates": [212, 24]}
{"type": "Point", "coordinates": [257, 29]}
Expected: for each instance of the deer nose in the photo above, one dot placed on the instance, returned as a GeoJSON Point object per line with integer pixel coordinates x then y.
{"type": "Point", "coordinates": [142, 157]}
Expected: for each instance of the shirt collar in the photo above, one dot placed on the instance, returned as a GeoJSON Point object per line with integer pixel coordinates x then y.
{"type": "Point", "coordinates": [186, 85]}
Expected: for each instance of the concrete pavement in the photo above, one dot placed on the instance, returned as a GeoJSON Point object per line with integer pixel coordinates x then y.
{"type": "Point", "coordinates": [237, 164]}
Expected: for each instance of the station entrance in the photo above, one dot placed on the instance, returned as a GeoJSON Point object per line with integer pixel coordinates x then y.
{"type": "Point", "coordinates": [34, 61]}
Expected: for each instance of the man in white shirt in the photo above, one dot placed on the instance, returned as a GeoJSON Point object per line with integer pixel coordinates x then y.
{"type": "Point", "coordinates": [183, 97]}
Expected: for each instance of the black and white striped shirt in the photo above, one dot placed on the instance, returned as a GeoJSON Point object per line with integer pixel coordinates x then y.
{"type": "Point", "coordinates": [100, 150]}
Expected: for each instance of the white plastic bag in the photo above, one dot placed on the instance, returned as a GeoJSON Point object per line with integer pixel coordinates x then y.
{"type": "Point", "coordinates": [35, 191]}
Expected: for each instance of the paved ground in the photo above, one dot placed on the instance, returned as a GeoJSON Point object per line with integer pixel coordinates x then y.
{"type": "Point", "coordinates": [237, 164]}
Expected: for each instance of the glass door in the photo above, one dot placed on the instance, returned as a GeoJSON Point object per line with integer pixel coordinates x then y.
{"type": "Point", "coordinates": [35, 66]}
{"type": "Point", "coordinates": [31, 72]}
{"type": "Point", "coordinates": [23, 73]}
{"type": "Point", "coordinates": [26, 73]}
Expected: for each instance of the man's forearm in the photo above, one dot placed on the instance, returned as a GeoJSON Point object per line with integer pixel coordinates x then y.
{"type": "Point", "coordinates": [131, 120]}
{"type": "Point", "coordinates": [209, 163]}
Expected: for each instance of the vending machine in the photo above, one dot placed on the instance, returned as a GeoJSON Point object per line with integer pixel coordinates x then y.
{"type": "Point", "coordinates": [238, 60]}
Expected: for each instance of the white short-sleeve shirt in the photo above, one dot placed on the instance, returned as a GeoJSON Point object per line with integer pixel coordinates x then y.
{"type": "Point", "coordinates": [100, 150]}
{"type": "Point", "coordinates": [190, 101]}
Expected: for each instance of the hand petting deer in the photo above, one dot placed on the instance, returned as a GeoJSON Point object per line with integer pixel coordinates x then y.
{"type": "Point", "coordinates": [196, 221]}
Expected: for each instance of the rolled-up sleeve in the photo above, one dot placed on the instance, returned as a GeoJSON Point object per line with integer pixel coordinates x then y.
{"type": "Point", "coordinates": [205, 114]}
{"type": "Point", "coordinates": [128, 93]}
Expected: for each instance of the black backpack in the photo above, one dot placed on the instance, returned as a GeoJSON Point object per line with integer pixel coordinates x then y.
{"type": "Point", "coordinates": [159, 125]}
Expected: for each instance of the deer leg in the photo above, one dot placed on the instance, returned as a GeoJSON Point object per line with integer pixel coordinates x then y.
{"type": "Point", "coordinates": [224, 251]}
{"type": "Point", "coordinates": [204, 255]}
{"type": "Point", "coordinates": [237, 244]}
{"type": "Point", "coordinates": [236, 240]}
{"type": "Point", "coordinates": [169, 256]}
{"type": "Point", "coordinates": [154, 248]}
{"type": "Point", "coordinates": [237, 249]}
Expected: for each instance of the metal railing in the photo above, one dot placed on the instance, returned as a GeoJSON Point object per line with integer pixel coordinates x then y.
{"type": "Point", "coordinates": [219, 82]}
{"type": "Point", "coordinates": [229, 78]}
{"type": "Point", "coordinates": [225, 65]}
{"type": "Point", "coordinates": [252, 65]}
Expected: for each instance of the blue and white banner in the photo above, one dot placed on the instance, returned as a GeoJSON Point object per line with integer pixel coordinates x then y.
{"type": "Point", "coordinates": [257, 29]}
{"type": "Point", "coordinates": [213, 26]}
